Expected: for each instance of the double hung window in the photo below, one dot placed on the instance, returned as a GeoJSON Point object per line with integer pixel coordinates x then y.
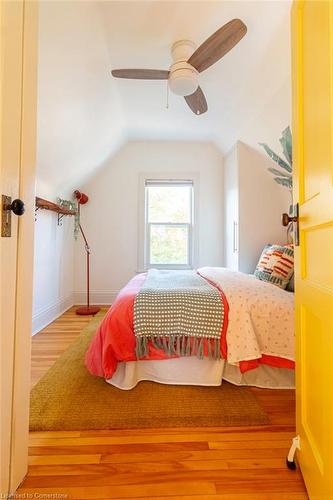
{"type": "Point", "coordinates": [168, 223]}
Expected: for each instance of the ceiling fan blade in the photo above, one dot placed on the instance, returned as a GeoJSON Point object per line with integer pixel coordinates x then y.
{"type": "Point", "coordinates": [217, 45]}
{"type": "Point", "coordinates": [197, 102]}
{"type": "Point", "coordinates": [141, 74]}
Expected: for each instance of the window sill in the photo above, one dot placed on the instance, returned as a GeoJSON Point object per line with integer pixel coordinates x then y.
{"type": "Point", "coordinates": [165, 268]}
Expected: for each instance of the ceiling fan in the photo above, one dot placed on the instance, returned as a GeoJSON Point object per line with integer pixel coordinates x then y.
{"type": "Point", "coordinates": [188, 62]}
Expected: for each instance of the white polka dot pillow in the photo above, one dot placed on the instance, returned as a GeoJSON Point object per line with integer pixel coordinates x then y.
{"type": "Point", "coordinates": [276, 265]}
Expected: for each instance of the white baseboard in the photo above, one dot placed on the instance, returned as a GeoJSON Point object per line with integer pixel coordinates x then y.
{"type": "Point", "coordinates": [44, 317]}
{"type": "Point", "coordinates": [96, 297]}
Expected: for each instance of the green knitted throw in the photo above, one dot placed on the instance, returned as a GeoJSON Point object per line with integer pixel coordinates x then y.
{"type": "Point", "coordinates": [179, 312]}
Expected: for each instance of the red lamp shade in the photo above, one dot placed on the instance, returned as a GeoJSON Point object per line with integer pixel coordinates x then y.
{"type": "Point", "coordinates": [82, 198]}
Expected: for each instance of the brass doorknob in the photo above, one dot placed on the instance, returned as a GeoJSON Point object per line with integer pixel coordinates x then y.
{"type": "Point", "coordinates": [286, 219]}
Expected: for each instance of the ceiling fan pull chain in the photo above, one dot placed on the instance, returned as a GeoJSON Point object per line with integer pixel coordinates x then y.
{"type": "Point", "coordinates": [167, 96]}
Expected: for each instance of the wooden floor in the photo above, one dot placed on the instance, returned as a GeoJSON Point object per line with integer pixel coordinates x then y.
{"type": "Point", "coordinates": [239, 463]}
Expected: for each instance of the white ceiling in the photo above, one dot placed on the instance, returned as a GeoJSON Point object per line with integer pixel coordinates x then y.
{"type": "Point", "coordinates": [140, 34]}
{"type": "Point", "coordinates": [84, 114]}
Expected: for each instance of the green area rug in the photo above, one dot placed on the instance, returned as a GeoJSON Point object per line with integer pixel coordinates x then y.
{"type": "Point", "coordinates": [69, 398]}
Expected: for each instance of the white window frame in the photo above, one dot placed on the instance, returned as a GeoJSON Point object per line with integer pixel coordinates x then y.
{"type": "Point", "coordinates": [144, 226]}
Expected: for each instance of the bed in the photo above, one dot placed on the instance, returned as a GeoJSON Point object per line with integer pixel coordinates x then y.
{"type": "Point", "coordinates": [256, 346]}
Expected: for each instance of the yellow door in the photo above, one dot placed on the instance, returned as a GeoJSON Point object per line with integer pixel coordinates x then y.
{"type": "Point", "coordinates": [18, 84]}
{"type": "Point", "coordinates": [312, 43]}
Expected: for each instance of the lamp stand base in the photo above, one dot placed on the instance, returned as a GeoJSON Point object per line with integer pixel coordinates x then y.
{"type": "Point", "coordinates": [87, 310]}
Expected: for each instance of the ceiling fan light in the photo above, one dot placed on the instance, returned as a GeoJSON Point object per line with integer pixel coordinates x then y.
{"type": "Point", "coordinates": [183, 79]}
{"type": "Point", "coordinates": [183, 85]}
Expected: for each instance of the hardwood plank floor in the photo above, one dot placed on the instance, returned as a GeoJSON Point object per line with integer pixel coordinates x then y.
{"type": "Point", "coordinates": [230, 463]}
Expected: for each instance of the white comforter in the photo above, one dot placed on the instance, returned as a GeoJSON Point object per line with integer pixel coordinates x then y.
{"type": "Point", "coordinates": [261, 315]}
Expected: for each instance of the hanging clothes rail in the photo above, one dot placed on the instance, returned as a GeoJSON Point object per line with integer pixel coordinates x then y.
{"type": "Point", "coordinates": [53, 207]}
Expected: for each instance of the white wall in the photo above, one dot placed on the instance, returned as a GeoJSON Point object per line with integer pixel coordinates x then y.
{"type": "Point", "coordinates": [267, 123]}
{"type": "Point", "coordinates": [255, 201]}
{"type": "Point", "coordinates": [79, 125]}
{"type": "Point", "coordinates": [261, 200]}
{"type": "Point", "coordinates": [53, 268]}
{"type": "Point", "coordinates": [261, 205]}
{"type": "Point", "coordinates": [111, 218]}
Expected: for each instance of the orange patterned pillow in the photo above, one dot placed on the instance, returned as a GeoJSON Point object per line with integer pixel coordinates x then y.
{"type": "Point", "coordinates": [276, 265]}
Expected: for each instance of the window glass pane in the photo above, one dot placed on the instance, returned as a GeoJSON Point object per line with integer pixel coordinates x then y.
{"type": "Point", "coordinates": [169, 203]}
{"type": "Point", "coordinates": [168, 244]}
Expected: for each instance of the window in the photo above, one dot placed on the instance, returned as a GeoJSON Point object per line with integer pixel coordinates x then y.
{"type": "Point", "coordinates": [168, 223]}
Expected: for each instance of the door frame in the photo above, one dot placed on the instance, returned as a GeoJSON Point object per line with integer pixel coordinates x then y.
{"type": "Point", "coordinates": [25, 253]}
{"type": "Point", "coordinates": [19, 380]}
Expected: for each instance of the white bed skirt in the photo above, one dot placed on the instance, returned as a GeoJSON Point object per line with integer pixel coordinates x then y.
{"type": "Point", "coordinates": [194, 371]}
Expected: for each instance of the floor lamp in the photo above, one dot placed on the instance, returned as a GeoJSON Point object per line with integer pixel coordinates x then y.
{"type": "Point", "coordinates": [88, 309]}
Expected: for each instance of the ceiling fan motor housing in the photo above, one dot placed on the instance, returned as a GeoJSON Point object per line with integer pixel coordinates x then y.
{"type": "Point", "coordinates": [182, 50]}
{"type": "Point", "coordinates": [183, 78]}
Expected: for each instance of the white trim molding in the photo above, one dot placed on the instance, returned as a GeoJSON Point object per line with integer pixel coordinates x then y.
{"type": "Point", "coordinates": [45, 316]}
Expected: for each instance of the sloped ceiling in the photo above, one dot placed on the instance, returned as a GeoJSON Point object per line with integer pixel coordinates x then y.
{"type": "Point", "coordinates": [85, 115]}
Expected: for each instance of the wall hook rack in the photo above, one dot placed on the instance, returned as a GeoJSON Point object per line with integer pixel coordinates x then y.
{"type": "Point", "coordinates": [53, 207]}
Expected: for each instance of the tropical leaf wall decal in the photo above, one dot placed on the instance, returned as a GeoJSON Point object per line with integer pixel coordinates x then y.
{"type": "Point", "coordinates": [284, 176]}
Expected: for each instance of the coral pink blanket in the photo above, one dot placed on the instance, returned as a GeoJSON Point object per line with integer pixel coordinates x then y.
{"type": "Point", "coordinates": [114, 340]}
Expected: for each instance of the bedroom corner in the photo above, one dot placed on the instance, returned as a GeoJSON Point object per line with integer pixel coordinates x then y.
{"type": "Point", "coordinates": [168, 199]}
